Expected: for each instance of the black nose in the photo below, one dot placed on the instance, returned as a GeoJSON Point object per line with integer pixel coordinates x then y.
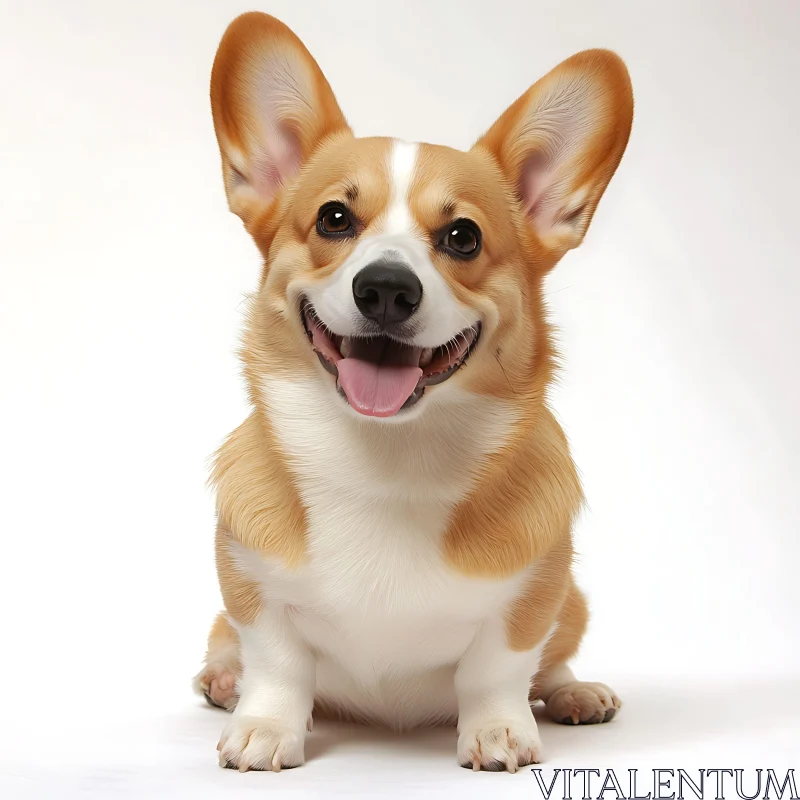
{"type": "Point", "coordinates": [387, 293]}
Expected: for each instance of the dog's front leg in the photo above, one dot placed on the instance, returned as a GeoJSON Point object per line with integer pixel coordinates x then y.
{"type": "Point", "coordinates": [496, 729]}
{"type": "Point", "coordinates": [268, 727]}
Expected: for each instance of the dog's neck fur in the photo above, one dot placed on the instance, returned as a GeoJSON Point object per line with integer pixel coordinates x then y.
{"type": "Point", "coordinates": [434, 457]}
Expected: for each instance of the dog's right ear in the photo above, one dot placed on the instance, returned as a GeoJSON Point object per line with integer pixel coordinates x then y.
{"type": "Point", "coordinates": [272, 106]}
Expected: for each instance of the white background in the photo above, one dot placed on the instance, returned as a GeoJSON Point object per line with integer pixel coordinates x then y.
{"type": "Point", "coordinates": [121, 283]}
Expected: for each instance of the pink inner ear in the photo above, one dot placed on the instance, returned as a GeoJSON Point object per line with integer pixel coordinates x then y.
{"type": "Point", "coordinates": [531, 181]}
{"type": "Point", "coordinates": [277, 163]}
{"type": "Point", "coordinates": [534, 183]}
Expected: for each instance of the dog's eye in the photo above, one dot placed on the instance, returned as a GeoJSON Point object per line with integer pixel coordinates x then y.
{"type": "Point", "coordinates": [462, 239]}
{"type": "Point", "coordinates": [334, 220]}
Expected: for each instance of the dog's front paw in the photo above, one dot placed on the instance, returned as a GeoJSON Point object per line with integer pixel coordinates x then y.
{"type": "Point", "coordinates": [582, 703]}
{"type": "Point", "coordinates": [499, 745]}
{"type": "Point", "coordinates": [258, 743]}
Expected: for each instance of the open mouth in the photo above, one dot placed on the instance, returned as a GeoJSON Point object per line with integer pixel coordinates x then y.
{"type": "Point", "coordinates": [379, 375]}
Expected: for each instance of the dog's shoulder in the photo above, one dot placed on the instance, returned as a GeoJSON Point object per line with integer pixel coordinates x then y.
{"type": "Point", "coordinates": [523, 505]}
{"type": "Point", "coordinates": [257, 500]}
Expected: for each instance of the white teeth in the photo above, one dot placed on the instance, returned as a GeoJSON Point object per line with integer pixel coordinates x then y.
{"type": "Point", "coordinates": [425, 358]}
{"type": "Point", "coordinates": [344, 348]}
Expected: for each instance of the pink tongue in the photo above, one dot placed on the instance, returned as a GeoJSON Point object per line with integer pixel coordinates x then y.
{"type": "Point", "coordinates": [377, 390]}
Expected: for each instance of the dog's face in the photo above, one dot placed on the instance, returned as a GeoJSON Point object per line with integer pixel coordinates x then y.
{"type": "Point", "coordinates": [395, 272]}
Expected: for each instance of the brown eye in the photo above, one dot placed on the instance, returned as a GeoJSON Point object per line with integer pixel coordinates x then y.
{"type": "Point", "coordinates": [334, 221]}
{"type": "Point", "coordinates": [462, 239]}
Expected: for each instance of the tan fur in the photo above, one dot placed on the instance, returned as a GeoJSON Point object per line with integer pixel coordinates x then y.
{"type": "Point", "coordinates": [573, 618]}
{"type": "Point", "coordinates": [240, 595]}
{"type": "Point", "coordinates": [541, 603]}
{"type": "Point", "coordinates": [221, 636]}
{"type": "Point", "coordinates": [522, 509]}
{"type": "Point", "coordinates": [257, 502]}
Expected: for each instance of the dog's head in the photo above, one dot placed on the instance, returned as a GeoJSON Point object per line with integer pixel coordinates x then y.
{"type": "Point", "coordinates": [389, 266]}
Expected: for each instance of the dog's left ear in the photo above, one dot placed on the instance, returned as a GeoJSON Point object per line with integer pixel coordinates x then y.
{"type": "Point", "coordinates": [560, 143]}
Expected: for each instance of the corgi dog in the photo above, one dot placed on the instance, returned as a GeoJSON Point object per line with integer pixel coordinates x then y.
{"type": "Point", "coordinates": [394, 536]}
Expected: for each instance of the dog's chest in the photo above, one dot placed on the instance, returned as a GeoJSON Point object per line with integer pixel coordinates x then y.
{"type": "Point", "coordinates": [378, 499]}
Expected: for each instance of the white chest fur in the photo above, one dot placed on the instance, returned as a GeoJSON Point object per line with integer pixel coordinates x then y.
{"type": "Point", "coordinates": [375, 597]}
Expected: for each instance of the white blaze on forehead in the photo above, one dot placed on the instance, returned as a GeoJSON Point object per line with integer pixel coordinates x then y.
{"type": "Point", "coordinates": [403, 161]}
